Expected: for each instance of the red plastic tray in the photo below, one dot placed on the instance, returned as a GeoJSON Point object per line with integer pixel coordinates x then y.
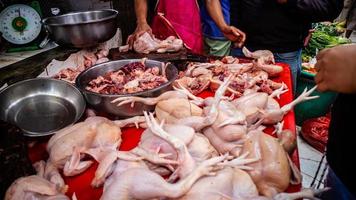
{"type": "Point", "coordinates": [80, 184]}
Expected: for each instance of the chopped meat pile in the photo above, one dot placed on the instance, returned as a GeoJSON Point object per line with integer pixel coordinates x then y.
{"type": "Point", "coordinates": [249, 76]}
{"type": "Point", "coordinates": [132, 78]}
{"type": "Point", "coordinates": [82, 60]}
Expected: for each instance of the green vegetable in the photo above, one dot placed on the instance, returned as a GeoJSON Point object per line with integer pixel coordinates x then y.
{"type": "Point", "coordinates": [326, 35]}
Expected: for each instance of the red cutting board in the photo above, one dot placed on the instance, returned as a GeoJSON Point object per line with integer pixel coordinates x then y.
{"type": "Point", "coordinates": [80, 184]}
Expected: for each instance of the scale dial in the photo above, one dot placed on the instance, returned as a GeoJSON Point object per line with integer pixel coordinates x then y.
{"type": "Point", "coordinates": [20, 24]}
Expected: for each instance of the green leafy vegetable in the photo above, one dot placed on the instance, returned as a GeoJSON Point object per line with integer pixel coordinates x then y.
{"type": "Point", "coordinates": [326, 35]}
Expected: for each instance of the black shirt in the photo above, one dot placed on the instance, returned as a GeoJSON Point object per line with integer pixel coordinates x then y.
{"type": "Point", "coordinates": [342, 140]}
{"type": "Point", "coordinates": [280, 27]}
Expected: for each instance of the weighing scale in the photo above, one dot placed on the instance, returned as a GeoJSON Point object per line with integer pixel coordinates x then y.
{"type": "Point", "coordinates": [20, 25]}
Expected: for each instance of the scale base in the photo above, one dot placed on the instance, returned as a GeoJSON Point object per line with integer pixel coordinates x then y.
{"type": "Point", "coordinates": [24, 48]}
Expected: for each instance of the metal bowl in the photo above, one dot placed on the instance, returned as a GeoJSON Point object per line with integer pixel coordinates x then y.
{"type": "Point", "coordinates": [82, 29]}
{"type": "Point", "coordinates": [102, 102]}
{"type": "Point", "coordinates": [41, 106]}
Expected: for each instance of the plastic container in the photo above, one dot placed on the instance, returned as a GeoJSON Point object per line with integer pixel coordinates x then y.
{"type": "Point", "coordinates": [313, 108]}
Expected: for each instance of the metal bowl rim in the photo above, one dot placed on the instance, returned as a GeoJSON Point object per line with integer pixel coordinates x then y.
{"type": "Point", "coordinates": [55, 80]}
{"type": "Point", "coordinates": [115, 13]}
{"type": "Point", "coordinates": [82, 88]}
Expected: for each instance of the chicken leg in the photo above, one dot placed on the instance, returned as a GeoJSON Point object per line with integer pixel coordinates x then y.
{"type": "Point", "coordinates": [149, 101]}
{"type": "Point", "coordinates": [141, 183]}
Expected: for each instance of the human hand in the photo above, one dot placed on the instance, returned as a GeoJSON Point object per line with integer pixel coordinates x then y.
{"type": "Point", "coordinates": [140, 29]}
{"type": "Point", "coordinates": [336, 69]}
{"type": "Point", "coordinates": [235, 35]}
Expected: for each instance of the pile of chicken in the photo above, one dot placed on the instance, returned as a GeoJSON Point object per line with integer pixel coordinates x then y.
{"type": "Point", "coordinates": [254, 75]}
{"type": "Point", "coordinates": [80, 61]}
{"type": "Point", "coordinates": [69, 69]}
{"type": "Point", "coordinates": [212, 148]}
{"type": "Point", "coordinates": [131, 78]}
{"type": "Point", "coordinates": [147, 43]}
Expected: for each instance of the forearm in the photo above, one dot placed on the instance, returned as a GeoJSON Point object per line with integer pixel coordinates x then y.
{"type": "Point", "coordinates": [141, 11]}
{"type": "Point", "coordinates": [215, 12]}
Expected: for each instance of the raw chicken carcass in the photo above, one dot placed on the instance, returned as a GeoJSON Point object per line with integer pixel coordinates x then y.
{"type": "Point", "coordinates": [201, 149]}
{"type": "Point", "coordinates": [147, 43]}
{"type": "Point", "coordinates": [229, 130]}
{"type": "Point", "coordinates": [273, 114]}
{"type": "Point", "coordinates": [264, 61]}
{"type": "Point", "coordinates": [261, 106]}
{"type": "Point", "coordinates": [186, 163]}
{"type": "Point", "coordinates": [153, 143]}
{"type": "Point", "coordinates": [196, 78]}
{"type": "Point", "coordinates": [164, 110]}
{"type": "Point", "coordinates": [170, 44]}
{"type": "Point", "coordinates": [182, 108]}
{"type": "Point", "coordinates": [274, 171]}
{"type": "Point", "coordinates": [211, 112]}
{"type": "Point", "coordinates": [133, 180]}
{"type": "Point", "coordinates": [265, 55]}
{"type": "Point", "coordinates": [49, 172]}
{"type": "Point", "coordinates": [67, 147]}
{"type": "Point", "coordinates": [229, 183]}
{"type": "Point", "coordinates": [33, 188]}
{"type": "Point", "coordinates": [272, 69]}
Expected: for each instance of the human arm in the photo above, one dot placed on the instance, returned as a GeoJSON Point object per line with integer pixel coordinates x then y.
{"type": "Point", "coordinates": [230, 32]}
{"type": "Point", "coordinates": [314, 10]}
{"type": "Point", "coordinates": [336, 69]}
{"type": "Point", "coordinates": [142, 25]}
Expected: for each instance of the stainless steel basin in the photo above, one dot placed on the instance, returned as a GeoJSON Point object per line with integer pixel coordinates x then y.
{"type": "Point", "coordinates": [82, 29]}
{"type": "Point", "coordinates": [102, 102]}
{"type": "Point", "coordinates": [41, 106]}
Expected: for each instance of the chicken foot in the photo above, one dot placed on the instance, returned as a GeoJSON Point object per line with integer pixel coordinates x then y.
{"type": "Point", "coordinates": [154, 157]}
{"type": "Point", "coordinates": [149, 101]}
{"type": "Point", "coordinates": [185, 160]}
{"type": "Point", "coordinates": [138, 121]}
{"type": "Point", "coordinates": [74, 165]}
{"type": "Point", "coordinates": [197, 122]}
{"type": "Point", "coordinates": [276, 93]}
{"type": "Point", "coordinates": [273, 116]}
{"type": "Point", "coordinates": [240, 162]}
{"type": "Point", "coordinates": [302, 97]}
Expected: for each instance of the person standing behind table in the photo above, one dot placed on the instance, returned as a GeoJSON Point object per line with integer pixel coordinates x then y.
{"type": "Point", "coordinates": [348, 14]}
{"type": "Point", "coordinates": [351, 18]}
{"type": "Point", "coordinates": [280, 26]}
{"type": "Point", "coordinates": [172, 17]}
{"type": "Point", "coordinates": [336, 71]}
{"type": "Point", "coordinates": [215, 43]}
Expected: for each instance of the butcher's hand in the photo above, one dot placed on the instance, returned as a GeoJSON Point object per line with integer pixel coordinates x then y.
{"type": "Point", "coordinates": [336, 69]}
{"type": "Point", "coordinates": [236, 36]}
{"type": "Point", "coordinates": [140, 29]}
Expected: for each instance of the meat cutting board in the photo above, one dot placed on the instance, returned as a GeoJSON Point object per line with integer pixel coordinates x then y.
{"type": "Point", "coordinates": [80, 184]}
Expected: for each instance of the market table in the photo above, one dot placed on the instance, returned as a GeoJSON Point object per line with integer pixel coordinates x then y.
{"type": "Point", "coordinates": [80, 184]}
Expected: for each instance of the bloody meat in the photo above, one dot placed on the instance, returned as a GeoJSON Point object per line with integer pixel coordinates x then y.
{"type": "Point", "coordinates": [132, 78]}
